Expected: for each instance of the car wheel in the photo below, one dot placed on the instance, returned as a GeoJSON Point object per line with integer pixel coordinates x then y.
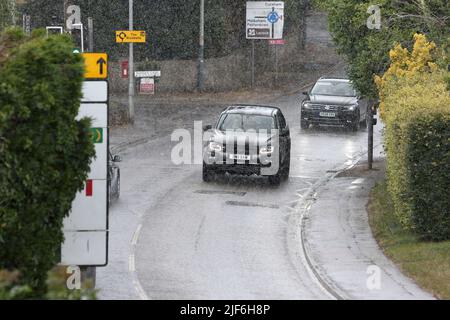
{"type": "Point", "coordinates": [287, 167]}
{"type": "Point", "coordinates": [109, 191]}
{"type": "Point", "coordinates": [304, 124]}
{"type": "Point", "coordinates": [118, 185]}
{"type": "Point", "coordinates": [275, 180]}
{"type": "Point", "coordinates": [354, 126]}
{"type": "Point", "coordinates": [207, 176]}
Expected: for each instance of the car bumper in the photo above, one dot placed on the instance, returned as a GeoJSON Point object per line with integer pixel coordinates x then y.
{"type": "Point", "coordinates": [341, 118]}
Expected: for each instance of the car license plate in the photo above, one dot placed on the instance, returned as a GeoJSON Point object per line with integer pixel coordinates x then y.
{"type": "Point", "coordinates": [328, 114]}
{"type": "Point", "coordinates": [239, 157]}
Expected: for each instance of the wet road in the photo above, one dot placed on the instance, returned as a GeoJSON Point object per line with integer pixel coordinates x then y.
{"type": "Point", "coordinates": [175, 237]}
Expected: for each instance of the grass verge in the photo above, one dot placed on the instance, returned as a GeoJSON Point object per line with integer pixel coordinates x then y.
{"type": "Point", "coordinates": [428, 263]}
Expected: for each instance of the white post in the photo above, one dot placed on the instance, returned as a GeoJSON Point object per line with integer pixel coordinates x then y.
{"type": "Point", "coordinates": [131, 68]}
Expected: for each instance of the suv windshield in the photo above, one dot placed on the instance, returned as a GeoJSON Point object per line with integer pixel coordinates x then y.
{"type": "Point", "coordinates": [245, 122]}
{"type": "Point", "coordinates": [334, 88]}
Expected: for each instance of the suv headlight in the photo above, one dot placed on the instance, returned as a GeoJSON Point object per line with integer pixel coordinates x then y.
{"type": "Point", "coordinates": [266, 150]}
{"type": "Point", "coordinates": [214, 146]}
{"type": "Point", "coordinates": [352, 107]}
{"type": "Point", "coordinates": [307, 105]}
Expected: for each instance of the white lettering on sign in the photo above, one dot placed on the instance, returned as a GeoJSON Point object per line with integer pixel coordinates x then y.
{"type": "Point", "coordinates": [147, 74]}
{"type": "Point", "coordinates": [265, 20]}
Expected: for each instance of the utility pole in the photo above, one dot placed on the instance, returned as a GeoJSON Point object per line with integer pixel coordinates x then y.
{"type": "Point", "coordinates": [131, 68]}
{"type": "Point", "coordinates": [370, 139]}
{"type": "Point", "coordinates": [91, 34]}
{"type": "Point", "coordinates": [66, 5]}
{"type": "Point", "coordinates": [201, 53]}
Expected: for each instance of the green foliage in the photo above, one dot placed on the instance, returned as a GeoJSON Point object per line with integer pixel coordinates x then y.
{"type": "Point", "coordinates": [44, 152]}
{"type": "Point", "coordinates": [7, 13]}
{"type": "Point", "coordinates": [12, 289]}
{"type": "Point", "coordinates": [418, 143]}
{"type": "Point", "coordinates": [367, 50]}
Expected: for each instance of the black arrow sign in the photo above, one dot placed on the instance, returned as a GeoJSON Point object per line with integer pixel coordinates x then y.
{"type": "Point", "coordinates": [101, 62]}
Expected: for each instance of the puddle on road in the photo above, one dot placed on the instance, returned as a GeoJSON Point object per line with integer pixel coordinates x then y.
{"type": "Point", "coordinates": [223, 192]}
{"type": "Point", "coordinates": [251, 204]}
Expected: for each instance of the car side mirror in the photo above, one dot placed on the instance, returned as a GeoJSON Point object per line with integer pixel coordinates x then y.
{"type": "Point", "coordinates": [207, 127]}
{"type": "Point", "coordinates": [117, 159]}
{"type": "Point", "coordinates": [306, 93]}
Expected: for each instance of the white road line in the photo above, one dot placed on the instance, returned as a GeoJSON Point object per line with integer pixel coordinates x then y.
{"type": "Point", "coordinates": [131, 264]}
{"type": "Point", "coordinates": [136, 235]}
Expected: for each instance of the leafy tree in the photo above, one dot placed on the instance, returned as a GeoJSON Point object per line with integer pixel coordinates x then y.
{"type": "Point", "coordinates": [7, 13]}
{"type": "Point", "coordinates": [44, 152]}
{"type": "Point", "coordinates": [367, 49]}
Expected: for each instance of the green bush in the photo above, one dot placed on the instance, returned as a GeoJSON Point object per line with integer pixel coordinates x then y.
{"type": "Point", "coordinates": [418, 152]}
{"type": "Point", "coordinates": [44, 152]}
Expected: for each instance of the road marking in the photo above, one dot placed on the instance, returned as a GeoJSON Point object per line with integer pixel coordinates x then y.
{"type": "Point", "coordinates": [136, 235]}
{"type": "Point", "coordinates": [250, 204]}
{"type": "Point", "coordinates": [224, 192]}
{"type": "Point", "coordinates": [131, 264]}
{"type": "Point", "coordinates": [140, 290]}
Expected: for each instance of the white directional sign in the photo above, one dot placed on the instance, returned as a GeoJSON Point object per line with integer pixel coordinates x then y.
{"type": "Point", "coordinates": [147, 74]}
{"type": "Point", "coordinates": [265, 19]}
{"type": "Point", "coordinates": [95, 91]}
{"type": "Point", "coordinates": [86, 227]}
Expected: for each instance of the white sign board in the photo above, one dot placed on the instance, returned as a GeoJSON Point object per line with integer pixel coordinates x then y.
{"type": "Point", "coordinates": [147, 86]}
{"type": "Point", "coordinates": [86, 227]}
{"type": "Point", "coordinates": [147, 74]}
{"type": "Point", "coordinates": [95, 91]}
{"type": "Point", "coordinates": [265, 20]}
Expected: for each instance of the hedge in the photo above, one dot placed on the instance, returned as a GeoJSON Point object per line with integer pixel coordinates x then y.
{"type": "Point", "coordinates": [418, 153]}
{"type": "Point", "coordinates": [45, 153]}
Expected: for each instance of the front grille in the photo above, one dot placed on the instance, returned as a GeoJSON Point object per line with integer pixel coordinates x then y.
{"type": "Point", "coordinates": [323, 107]}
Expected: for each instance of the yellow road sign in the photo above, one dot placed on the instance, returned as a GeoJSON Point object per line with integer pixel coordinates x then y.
{"type": "Point", "coordinates": [96, 65]}
{"type": "Point", "coordinates": [130, 36]}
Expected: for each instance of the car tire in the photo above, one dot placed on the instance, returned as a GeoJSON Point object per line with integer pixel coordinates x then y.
{"type": "Point", "coordinates": [354, 126]}
{"type": "Point", "coordinates": [275, 180]}
{"type": "Point", "coordinates": [118, 184]}
{"type": "Point", "coordinates": [206, 174]}
{"type": "Point", "coordinates": [287, 167]}
{"type": "Point", "coordinates": [304, 125]}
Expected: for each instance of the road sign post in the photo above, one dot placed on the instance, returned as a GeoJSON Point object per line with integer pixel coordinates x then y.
{"type": "Point", "coordinates": [265, 20]}
{"type": "Point", "coordinates": [86, 228]}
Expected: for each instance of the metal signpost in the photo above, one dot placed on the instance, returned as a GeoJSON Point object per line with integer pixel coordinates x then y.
{"type": "Point", "coordinates": [265, 20]}
{"type": "Point", "coordinates": [86, 227]}
{"type": "Point", "coordinates": [276, 43]}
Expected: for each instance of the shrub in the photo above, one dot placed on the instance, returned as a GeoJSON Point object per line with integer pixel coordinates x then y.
{"type": "Point", "coordinates": [44, 152]}
{"type": "Point", "coordinates": [418, 152]}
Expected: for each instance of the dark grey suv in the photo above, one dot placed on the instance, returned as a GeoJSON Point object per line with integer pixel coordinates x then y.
{"type": "Point", "coordinates": [249, 140]}
{"type": "Point", "coordinates": [334, 102]}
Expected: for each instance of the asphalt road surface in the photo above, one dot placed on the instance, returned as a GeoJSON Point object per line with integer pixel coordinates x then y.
{"type": "Point", "coordinates": [175, 237]}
